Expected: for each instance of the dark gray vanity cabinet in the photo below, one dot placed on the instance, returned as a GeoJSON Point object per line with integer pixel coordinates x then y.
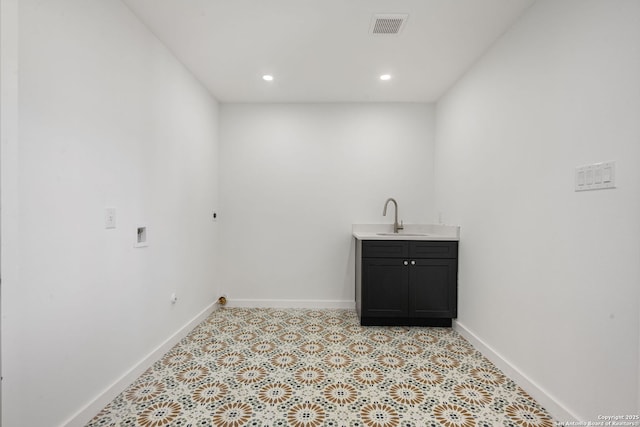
{"type": "Point", "coordinates": [400, 282]}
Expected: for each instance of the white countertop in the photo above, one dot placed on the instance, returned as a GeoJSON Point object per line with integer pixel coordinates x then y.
{"type": "Point", "coordinates": [410, 232]}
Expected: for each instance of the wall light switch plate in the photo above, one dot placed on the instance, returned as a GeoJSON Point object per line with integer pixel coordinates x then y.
{"type": "Point", "coordinates": [110, 218]}
{"type": "Point", "coordinates": [597, 176]}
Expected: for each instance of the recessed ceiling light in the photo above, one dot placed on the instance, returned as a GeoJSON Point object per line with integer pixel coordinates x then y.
{"type": "Point", "coordinates": [267, 77]}
{"type": "Point", "coordinates": [385, 77]}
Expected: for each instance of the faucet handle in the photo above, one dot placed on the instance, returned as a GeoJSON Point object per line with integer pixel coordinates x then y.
{"type": "Point", "coordinates": [401, 226]}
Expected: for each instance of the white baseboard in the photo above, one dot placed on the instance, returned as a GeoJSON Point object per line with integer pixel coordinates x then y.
{"type": "Point", "coordinates": [84, 415]}
{"type": "Point", "coordinates": [557, 410]}
{"type": "Point", "coordinates": [291, 303]}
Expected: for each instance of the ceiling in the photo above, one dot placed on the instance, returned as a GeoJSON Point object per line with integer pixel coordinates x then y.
{"type": "Point", "coordinates": [323, 50]}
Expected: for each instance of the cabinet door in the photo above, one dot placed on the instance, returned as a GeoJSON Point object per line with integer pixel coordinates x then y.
{"type": "Point", "coordinates": [433, 288]}
{"type": "Point", "coordinates": [384, 287]}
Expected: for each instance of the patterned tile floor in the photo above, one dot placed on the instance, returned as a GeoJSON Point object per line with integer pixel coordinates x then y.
{"type": "Point", "coordinates": [312, 368]}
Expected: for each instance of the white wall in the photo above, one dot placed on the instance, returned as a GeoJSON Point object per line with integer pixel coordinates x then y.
{"type": "Point", "coordinates": [8, 130]}
{"type": "Point", "coordinates": [293, 180]}
{"type": "Point", "coordinates": [107, 117]}
{"type": "Point", "coordinates": [549, 277]}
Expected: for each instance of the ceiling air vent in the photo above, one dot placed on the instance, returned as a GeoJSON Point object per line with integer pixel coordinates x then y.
{"type": "Point", "coordinates": [388, 24]}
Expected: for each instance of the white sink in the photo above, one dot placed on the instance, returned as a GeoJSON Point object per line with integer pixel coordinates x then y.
{"type": "Point", "coordinates": [417, 232]}
{"type": "Point", "coordinates": [403, 234]}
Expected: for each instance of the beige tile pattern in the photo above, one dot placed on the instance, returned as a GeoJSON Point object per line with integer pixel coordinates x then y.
{"type": "Point", "coordinates": [313, 368]}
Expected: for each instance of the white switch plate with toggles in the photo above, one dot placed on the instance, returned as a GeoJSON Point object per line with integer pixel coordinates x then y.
{"type": "Point", "coordinates": [597, 176]}
{"type": "Point", "coordinates": [109, 217]}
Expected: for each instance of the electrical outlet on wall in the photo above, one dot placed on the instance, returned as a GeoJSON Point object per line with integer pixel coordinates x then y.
{"type": "Point", "coordinates": [141, 237]}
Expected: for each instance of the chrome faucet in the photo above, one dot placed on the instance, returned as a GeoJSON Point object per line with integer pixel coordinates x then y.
{"type": "Point", "coordinates": [396, 226]}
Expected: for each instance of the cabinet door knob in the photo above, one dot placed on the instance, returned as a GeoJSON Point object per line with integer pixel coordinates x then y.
{"type": "Point", "coordinates": [406, 263]}
{"type": "Point", "coordinates": [413, 262]}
